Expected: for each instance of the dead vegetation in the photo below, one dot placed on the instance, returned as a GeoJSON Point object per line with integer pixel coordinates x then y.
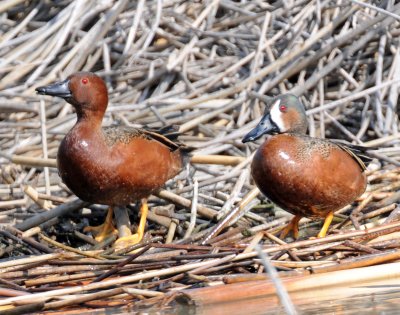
{"type": "Point", "coordinates": [209, 67]}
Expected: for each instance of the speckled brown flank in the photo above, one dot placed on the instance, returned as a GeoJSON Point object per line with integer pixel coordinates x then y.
{"type": "Point", "coordinates": [312, 146]}
{"type": "Point", "coordinates": [116, 134]}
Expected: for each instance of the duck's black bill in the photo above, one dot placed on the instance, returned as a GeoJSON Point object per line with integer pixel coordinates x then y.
{"type": "Point", "coordinates": [265, 126]}
{"type": "Point", "coordinates": [60, 89]}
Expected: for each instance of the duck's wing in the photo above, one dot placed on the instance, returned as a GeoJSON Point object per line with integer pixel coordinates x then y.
{"type": "Point", "coordinates": [357, 152]}
{"type": "Point", "coordinates": [168, 139]}
{"type": "Point", "coordinates": [167, 135]}
{"type": "Point", "coordinates": [171, 132]}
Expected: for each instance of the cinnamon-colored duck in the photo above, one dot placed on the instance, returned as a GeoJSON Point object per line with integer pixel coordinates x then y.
{"type": "Point", "coordinates": [111, 165]}
{"type": "Point", "coordinates": [306, 176]}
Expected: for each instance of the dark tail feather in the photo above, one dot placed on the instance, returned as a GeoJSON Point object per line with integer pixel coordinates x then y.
{"type": "Point", "coordinates": [169, 136]}
{"type": "Point", "coordinates": [359, 153]}
{"type": "Point", "coordinates": [171, 132]}
{"type": "Point", "coordinates": [362, 152]}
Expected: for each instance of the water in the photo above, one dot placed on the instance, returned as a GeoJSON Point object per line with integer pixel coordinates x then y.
{"type": "Point", "coordinates": [369, 298]}
{"type": "Point", "coordinates": [384, 303]}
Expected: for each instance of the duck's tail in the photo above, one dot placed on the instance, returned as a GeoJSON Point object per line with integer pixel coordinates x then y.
{"type": "Point", "coordinates": [169, 136]}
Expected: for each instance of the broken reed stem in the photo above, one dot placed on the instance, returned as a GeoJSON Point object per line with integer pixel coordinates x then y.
{"type": "Point", "coordinates": [196, 159]}
{"type": "Point", "coordinates": [193, 209]}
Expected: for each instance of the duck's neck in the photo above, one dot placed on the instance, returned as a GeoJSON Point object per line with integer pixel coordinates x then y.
{"type": "Point", "coordinates": [88, 117]}
{"type": "Point", "coordinates": [86, 129]}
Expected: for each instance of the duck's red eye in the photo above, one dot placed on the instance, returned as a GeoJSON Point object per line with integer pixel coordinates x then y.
{"type": "Point", "coordinates": [85, 81]}
{"type": "Point", "coordinates": [283, 108]}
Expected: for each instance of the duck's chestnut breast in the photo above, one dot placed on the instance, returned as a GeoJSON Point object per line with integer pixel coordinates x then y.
{"type": "Point", "coordinates": [307, 176]}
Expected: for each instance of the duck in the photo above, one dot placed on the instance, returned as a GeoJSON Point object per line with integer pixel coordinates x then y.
{"type": "Point", "coordinates": [306, 176]}
{"type": "Point", "coordinates": [114, 165]}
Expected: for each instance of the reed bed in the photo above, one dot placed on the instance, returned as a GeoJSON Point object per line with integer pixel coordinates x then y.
{"type": "Point", "coordinates": [210, 67]}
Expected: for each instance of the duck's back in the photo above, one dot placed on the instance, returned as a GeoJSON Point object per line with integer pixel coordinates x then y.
{"type": "Point", "coordinates": [307, 176]}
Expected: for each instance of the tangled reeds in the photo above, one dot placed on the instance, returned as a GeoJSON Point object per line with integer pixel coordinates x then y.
{"type": "Point", "coordinates": [208, 67]}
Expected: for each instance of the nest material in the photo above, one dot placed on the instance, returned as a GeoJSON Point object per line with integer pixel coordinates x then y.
{"type": "Point", "coordinates": [208, 67]}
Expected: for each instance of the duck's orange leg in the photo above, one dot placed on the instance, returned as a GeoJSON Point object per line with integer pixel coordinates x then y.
{"type": "Point", "coordinates": [292, 226]}
{"type": "Point", "coordinates": [135, 238]}
{"type": "Point", "coordinates": [327, 223]}
{"type": "Point", "coordinates": [104, 230]}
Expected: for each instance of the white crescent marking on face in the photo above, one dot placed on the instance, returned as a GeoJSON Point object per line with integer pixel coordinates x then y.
{"type": "Point", "coordinates": [276, 116]}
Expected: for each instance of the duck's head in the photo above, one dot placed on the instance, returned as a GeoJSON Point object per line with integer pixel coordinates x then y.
{"type": "Point", "coordinates": [286, 114]}
{"type": "Point", "coordinates": [86, 91]}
